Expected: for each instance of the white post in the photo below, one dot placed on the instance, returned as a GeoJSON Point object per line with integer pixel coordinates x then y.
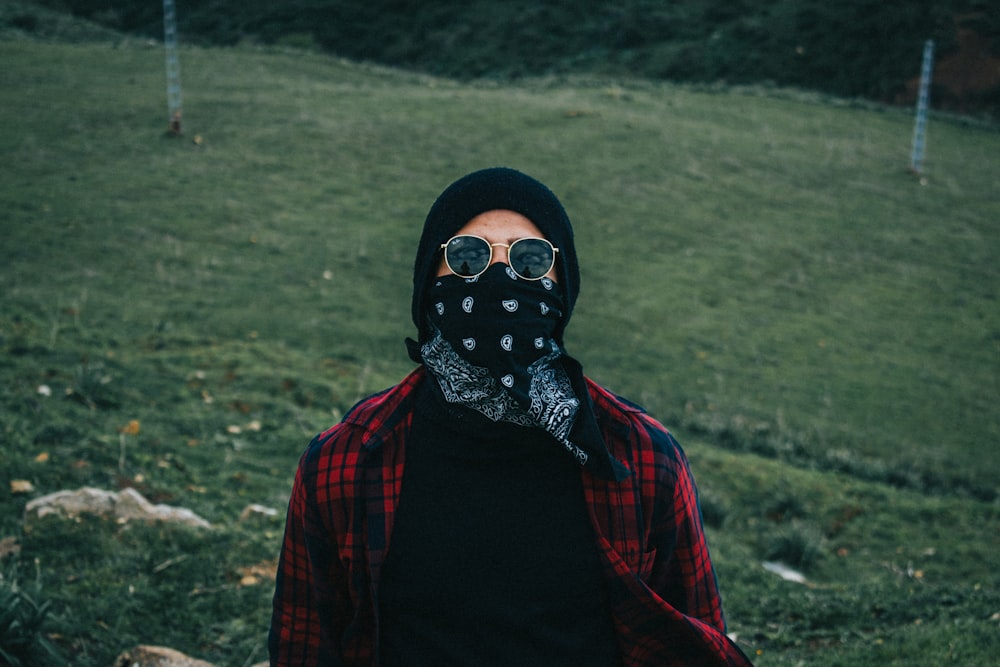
{"type": "Point", "coordinates": [923, 99]}
{"type": "Point", "coordinates": [173, 66]}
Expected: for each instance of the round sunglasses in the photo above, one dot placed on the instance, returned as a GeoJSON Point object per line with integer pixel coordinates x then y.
{"type": "Point", "coordinates": [468, 256]}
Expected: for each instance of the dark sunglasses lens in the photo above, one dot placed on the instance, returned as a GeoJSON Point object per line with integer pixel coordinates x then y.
{"type": "Point", "coordinates": [531, 258]}
{"type": "Point", "coordinates": [467, 255]}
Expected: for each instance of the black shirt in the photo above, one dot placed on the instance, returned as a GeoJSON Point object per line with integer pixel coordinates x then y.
{"type": "Point", "coordinates": [510, 578]}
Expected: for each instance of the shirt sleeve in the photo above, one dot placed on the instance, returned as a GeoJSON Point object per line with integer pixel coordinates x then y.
{"type": "Point", "coordinates": [310, 587]}
{"type": "Point", "coordinates": [683, 573]}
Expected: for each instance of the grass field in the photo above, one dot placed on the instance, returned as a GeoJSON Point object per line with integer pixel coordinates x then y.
{"type": "Point", "coordinates": [819, 326]}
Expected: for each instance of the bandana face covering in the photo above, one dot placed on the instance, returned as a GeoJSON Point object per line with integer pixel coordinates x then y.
{"type": "Point", "coordinates": [492, 350]}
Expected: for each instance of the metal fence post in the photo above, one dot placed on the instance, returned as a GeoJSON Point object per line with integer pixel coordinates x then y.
{"type": "Point", "coordinates": [923, 99]}
{"type": "Point", "coordinates": [173, 67]}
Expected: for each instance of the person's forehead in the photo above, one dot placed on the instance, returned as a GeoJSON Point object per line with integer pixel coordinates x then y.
{"type": "Point", "coordinates": [501, 225]}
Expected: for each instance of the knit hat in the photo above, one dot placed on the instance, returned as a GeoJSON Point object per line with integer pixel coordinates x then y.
{"type": "Point", "coordinates": [488, 190]}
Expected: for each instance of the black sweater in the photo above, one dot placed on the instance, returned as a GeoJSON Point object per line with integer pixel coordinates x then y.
{"type": "Point", "coordinates": [492, 559]}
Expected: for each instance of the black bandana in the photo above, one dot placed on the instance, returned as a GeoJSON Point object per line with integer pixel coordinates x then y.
{"type": "Point", "coordinates": [488, 190]}
{"type": "Point", "coordinates": [493, 350]}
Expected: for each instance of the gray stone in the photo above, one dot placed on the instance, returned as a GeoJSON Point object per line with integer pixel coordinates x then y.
{"type": "Point", "coordinates": [257, 511]}
{"type": "Point", "coordinates": [160, 656]}
{"type": "Point", "coordinates": [157, 656]}
{"type": "Point", "coordinates": [122, 507]}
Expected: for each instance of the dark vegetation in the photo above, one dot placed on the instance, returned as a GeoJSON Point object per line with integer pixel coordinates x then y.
{"type": "Point", "coordinates": [852, 48]}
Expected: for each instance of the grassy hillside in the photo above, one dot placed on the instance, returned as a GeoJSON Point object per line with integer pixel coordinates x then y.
{"type": "Point", "coordinates": [866, 48]}
{"type": "Point", "coordinates": [818, 325]}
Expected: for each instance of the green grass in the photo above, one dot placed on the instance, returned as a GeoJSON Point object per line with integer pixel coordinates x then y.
{"type": "Point", "coordinates": [760, 270]}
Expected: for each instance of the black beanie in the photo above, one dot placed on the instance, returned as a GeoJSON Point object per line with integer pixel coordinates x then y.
{"type": "Point", "coordinates": [488, 190]}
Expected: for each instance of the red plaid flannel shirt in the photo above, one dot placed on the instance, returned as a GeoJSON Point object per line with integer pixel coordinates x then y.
{"type": "Point", "coordinates": [662, 587]}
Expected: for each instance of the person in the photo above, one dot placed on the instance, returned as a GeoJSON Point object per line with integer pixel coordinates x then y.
{"type": "Point", "coordinates": [497, 506]}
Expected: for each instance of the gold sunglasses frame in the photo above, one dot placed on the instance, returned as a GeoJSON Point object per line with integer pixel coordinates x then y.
{"type": "Point", "coordinates": [489, 262]}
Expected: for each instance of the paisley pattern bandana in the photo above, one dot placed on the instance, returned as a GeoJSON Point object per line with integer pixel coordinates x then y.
{"type": "Point", "coordinates": [492, 350]}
